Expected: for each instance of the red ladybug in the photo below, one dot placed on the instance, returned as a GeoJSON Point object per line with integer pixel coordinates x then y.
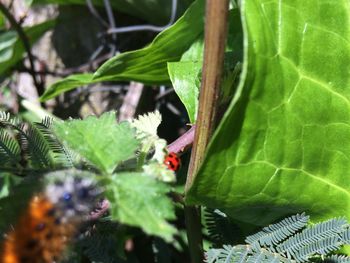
{"type": "Point", "coordinates": [172, 161]}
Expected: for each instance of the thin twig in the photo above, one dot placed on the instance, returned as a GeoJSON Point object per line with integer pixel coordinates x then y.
{"type": "Point", "coordinates": [147, 27]}
{"type": "Point", "coordinates": [214, 48]}
{"type": "Point", "coordinates": [26, 44]}
{"type": "Point", "coordinates": [110, 16]}
{"type": "Point", "coordinates": [101, 210]}
{"type": "Point", "coordinates": [94, 12]}
{"type": "Point", "coordinates": [183, 142]}
{"type": "Point", "coordinates": [131, 101]}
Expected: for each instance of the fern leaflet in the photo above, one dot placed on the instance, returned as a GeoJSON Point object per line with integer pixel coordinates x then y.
{"type": "Point", "coordinates": [9, 149]}
{"type": "Point", "coordinates": [273, 234]}
{"type": "Point", "coordinates": [61, 154]}
{"type": "Point", "coordinates": [328, 229]}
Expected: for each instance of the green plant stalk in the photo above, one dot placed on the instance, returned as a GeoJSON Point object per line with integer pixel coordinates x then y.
{"type": "Point", "coordinates": [214, 48]}
{"type": "Point", "coordinates": [141, 160]}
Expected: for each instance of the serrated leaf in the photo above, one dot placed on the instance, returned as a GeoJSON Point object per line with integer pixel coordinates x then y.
{"type": "Point", "coordinates": [147, 65]}
{"type": "Point", "coordinates": [101, 140]}
{"type": "Point", "coordinates": [283, 144]}
{"type": "Point", "coordinates": [138, 200]}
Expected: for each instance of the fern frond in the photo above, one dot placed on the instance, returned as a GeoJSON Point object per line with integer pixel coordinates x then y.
{"type": "Point", "coordinates": [31, 141]}
{"type": "Point", "coordinates": [61, 154]}
{"type": "Point", "coordinates": [212, 255]}
{"type": "Point", "coordinates": [337, 259]}
{"type": "Point", "coordinates": [243, 254]}
{"type": "Point", "coordinates": [9, 149]}
{"type": "Point", "coordinates": [104, 243]}
{"type": "Point", "coordinates": [4, 117]}
{"type": "Point", "coordinates": [345, 236]}
{"type": "Point", "coordinates": [6, 120]}
{"type": "Point", "coordinates": [36, 148]}
{"type": "Point", "coordinates": [220, 227]}
{"type": "Point", "coordinates": [308, 237]}
{"type": "Point", "coordinates": [258, 257]}
{"type": "Point", "coordinates": [321, 247]}
{"type": "Point", "coordinates": [228, 254]}
{"type": "Point", "coordinates": [273, 234]}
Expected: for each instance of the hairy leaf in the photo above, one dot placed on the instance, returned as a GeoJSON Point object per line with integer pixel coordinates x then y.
{"type": "Point", "coordinates": [139, 200]}
{"type": "Point", "coordinates": [101, 140]}
{"type": "Point", "coordinates": [282, 146]}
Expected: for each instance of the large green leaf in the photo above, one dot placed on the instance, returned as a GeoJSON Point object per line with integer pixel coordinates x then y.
{"type": "Point", "coordinates": [283, 146]}
{"type": "Point", "coordinates": [139, 200]}
{"type": "Point", "coordinates": [11, 46]}
{"type": "Point", "coordinates": [100, 140]}
{"type": "Point", "coordinates": [69, 83]}
{"type": "Point", "coordinates": [150, 63]}
{"type": "Point", "coordinates": [154, 11]}
{"type": "Point", "coordinates": [147, 65]}
{"type": "Point", "coordinates": [185, 76]}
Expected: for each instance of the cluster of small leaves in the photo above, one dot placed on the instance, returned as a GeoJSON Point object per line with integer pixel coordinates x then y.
{"type": "Point", "coordinates": [288, 241]}
{"type": "Point", "coordinates": [108, 149]}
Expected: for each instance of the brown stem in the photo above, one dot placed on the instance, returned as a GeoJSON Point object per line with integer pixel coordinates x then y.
{"type": "Point", "coordinates": [21, 34]}
{"type": "Point", "coordinates": [183, 142]}
{"type": "Point", "coordinates": [214, 48]}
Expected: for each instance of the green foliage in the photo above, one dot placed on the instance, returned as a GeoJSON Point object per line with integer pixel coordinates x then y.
{"type": "Point", "coordinates": [69, 83]}
{"type": "Point", "coordinates": [104, 242]}
{"type": "Point", "coordinates": [148, 65]}
{"type": "Point", "coordinates": [282, 146]}
{"type": "Point", "coordinates": [279, 231]}
{"type": "Point", "coordinates": [30, 145]}
{"type": "Point", "coordinates": [9, 149]}
{"type": "Point", "coordinates": [138, 200]}
{"type": "Point", "coordinates": [221, 228]}
{"type": "Point", "coordinates": [101, 141]}
{"type": "Point", "coordinates": [186, 74]}
{"type": "Point", "coordinates": [337, 259]}
{"type": "Point", "coordinates": [11, 47]}
{"type": "Point", "coordinates": [287, 241]}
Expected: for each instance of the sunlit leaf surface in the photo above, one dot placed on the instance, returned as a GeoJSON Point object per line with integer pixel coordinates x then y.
{"type": "Point", "coordinates": [101, 140]}
{"type": "Point", "coordinates": [140, 200]}
{"type": "Point", "coordinates": [284, 144]}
